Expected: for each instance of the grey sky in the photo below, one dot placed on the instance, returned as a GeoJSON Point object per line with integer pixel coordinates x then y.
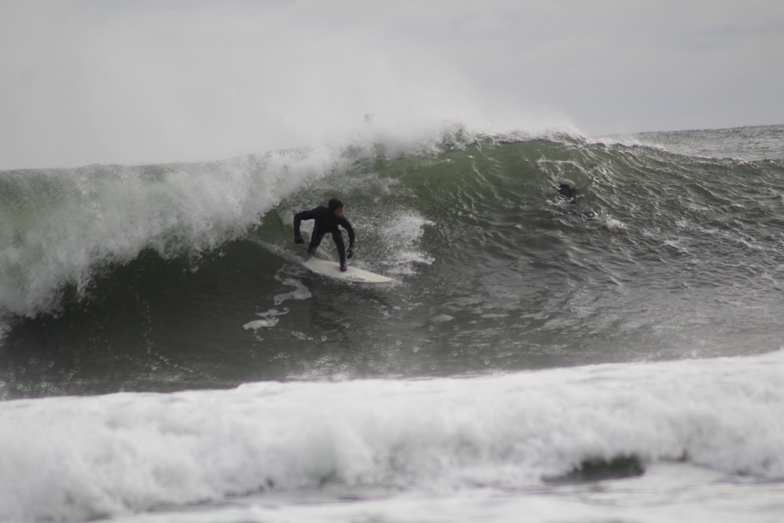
{"type": "Point", "coordinates": [156, 81]}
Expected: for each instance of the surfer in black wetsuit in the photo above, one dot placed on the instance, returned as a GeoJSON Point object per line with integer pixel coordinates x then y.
{"type": "Point", "coordinates": [568, 192]}
{"type": "Point", "coordinates": [327, 221]}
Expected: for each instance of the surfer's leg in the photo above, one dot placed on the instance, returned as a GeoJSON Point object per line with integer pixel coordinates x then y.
{"type": "Point", "coordinates": [315, 240]}
{"type": "Point", "coordinates": [338, 237]}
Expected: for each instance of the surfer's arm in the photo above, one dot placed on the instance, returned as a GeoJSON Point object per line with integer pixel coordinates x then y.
{"type": "Point", "coordinates": [350, 229]}
{"type": "Point", "coordinates": [304, 215]}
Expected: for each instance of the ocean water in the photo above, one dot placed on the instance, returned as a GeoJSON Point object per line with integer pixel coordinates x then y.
{"type": "Point", "coordinates": [617, 357]}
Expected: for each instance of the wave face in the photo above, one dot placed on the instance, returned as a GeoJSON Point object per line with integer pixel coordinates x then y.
{"type": "Point", "coordinates": [169, 277]}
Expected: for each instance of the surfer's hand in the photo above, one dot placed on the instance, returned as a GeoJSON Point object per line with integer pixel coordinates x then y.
{"type": "Point", "coordinates": [298, 239]}
{"type": "Point", "coordinates": [350, 252]}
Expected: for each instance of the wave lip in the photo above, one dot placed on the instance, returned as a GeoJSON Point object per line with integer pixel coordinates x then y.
{"type": "Point", "coordinates": [59, 227]}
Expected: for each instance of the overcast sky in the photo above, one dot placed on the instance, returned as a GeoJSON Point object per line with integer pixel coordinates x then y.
{"type": "Point", "coordinates": [131, 81]}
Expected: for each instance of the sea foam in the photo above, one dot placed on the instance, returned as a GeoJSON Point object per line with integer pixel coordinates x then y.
{"type": "Point", "coordinates": [74, 458]}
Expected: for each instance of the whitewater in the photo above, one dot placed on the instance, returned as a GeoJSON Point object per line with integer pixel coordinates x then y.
{"type": "Point", "coordinates": [524, 435]}
{"type": "Point", "coordinates": [612, 357]}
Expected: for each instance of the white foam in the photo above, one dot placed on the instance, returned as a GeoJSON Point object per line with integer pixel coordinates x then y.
{"type": "Point", "coordinates": [400, 236]}
{"type": "Point", "coordinates": [665, 494]}
{"type": "Point", "coordinates": [271, 317]}
{"type": "Point", "coordinates": [268, 319]}
{"type": "Point", "coordinates": [300, 292]}
{"type": "Point", "coordinates": [78, 458]}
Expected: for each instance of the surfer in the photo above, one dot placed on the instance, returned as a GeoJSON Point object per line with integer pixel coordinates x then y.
{"type": "Point", "coordinates": [327, 221]}
{"type": "Point", "coordinates": [568, 192]}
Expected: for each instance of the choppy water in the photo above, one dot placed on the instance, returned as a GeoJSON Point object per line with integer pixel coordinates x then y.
{"type": "Point", "coordinates": [532, 351]}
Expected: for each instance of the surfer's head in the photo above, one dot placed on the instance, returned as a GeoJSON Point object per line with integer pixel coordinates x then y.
{"type": "Point", "coordinates": [336, 206]}
{"type": "Point", "coordinates": [567, 190]}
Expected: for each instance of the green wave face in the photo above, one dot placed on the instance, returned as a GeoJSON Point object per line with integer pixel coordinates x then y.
{"type": "Point", "coordinates": [186, 276]}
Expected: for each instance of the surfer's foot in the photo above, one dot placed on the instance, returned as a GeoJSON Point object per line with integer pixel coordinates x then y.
{"type": "Point", "coordinates": [343, 267]}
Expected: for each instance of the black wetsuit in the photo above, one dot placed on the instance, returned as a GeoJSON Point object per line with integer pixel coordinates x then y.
{"type": "Point", "coordinates": [567, 191]}
{"type": "Point", "coordinates": [326, 222]}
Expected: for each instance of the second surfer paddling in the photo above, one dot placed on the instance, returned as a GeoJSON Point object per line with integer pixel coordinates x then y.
{"type": "Point", "coordinates": [327, 219]}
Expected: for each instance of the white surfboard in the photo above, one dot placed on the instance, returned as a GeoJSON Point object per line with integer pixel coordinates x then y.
{"type": "Point", "coordinates": [353, 274]}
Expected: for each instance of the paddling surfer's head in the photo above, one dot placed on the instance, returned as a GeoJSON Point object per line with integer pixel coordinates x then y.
{"type": "Point", "coordinates": [568, 191]}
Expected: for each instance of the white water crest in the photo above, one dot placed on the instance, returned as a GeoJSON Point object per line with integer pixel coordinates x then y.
{"type": "Point", "coordinates": [76, 458]}
{"type": "Point", "coordinates": [57, 227]}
